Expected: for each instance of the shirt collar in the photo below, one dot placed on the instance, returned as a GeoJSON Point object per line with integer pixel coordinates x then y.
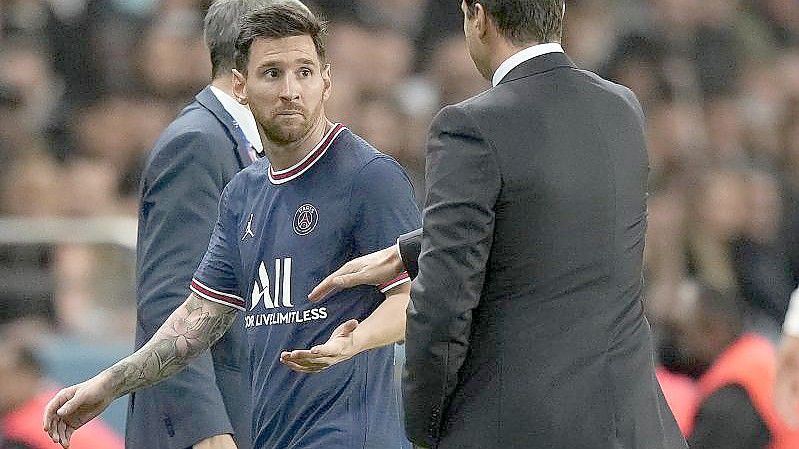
{"type": "Point", "coordinates": [295, 171]}
{"type": "Point", "coordinates": [242, 116]}
{"type": "Point", "coordinates": [522, 56]}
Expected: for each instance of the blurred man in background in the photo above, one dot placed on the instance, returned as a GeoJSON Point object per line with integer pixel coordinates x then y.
{"type": "Point", "coordinates": [735, 371]}
{"type": "Point", "coordinates": [206, 405]}
{"type": "Point", "coordinates": [23, 395]}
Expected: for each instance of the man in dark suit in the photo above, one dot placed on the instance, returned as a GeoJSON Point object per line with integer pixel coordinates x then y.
{"type": "Point", "coordinates": [206, 405]}
{"type": "Point", "coordinates": [526, 325]}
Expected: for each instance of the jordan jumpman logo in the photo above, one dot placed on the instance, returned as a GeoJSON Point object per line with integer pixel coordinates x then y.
{"type": "Point", "coordinates": [248, 232]}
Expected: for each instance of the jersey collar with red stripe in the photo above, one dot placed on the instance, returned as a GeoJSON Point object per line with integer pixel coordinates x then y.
{"type": "Point", "coordinates": [296, 170]}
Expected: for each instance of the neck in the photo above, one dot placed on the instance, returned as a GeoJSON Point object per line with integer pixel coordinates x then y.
{"type": "Point", "coordinates": [502, 50]}
{"type": "Point", "coordinates": [224, 83]}
{"type": "Point", "coordinates": [284, 156]}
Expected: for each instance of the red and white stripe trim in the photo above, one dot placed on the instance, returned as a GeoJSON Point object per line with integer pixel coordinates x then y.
{"type": "Point", "coordinates": [396, 282]}
{"type": "Point", "coordinates": [210, 294]}
{"type": "Point", "coordinates": [296, 170]}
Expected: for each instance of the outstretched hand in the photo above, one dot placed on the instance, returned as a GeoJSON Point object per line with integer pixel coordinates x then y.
{"type": "Point", "coordinates": [339, 347]}
{"type": "Point", "coordinates": [73, 407]}
{"type": "Point", "coordinates": [372, 269]}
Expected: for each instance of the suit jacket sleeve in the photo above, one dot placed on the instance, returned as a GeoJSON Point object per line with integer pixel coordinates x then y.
{"type": "Point", "coordinates": [463, 183]}
{"type": "Point", "coordinates": [180, 195]}
{"type": "Point", "coordinates": [410, 245]}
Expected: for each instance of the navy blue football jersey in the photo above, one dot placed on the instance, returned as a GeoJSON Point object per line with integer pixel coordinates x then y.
{"type": "Point", "coordinates": [279, 233]}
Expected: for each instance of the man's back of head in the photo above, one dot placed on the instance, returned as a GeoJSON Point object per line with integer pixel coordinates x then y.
{"type": "Point", "coordinates": [524, 22]}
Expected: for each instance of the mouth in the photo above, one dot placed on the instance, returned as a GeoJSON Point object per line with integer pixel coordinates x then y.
{"type": "Point", "coordinates": [289, 113]}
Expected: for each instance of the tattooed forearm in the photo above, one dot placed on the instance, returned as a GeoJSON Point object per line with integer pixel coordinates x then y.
{"type": "Point", "coordinates": [191, 329]}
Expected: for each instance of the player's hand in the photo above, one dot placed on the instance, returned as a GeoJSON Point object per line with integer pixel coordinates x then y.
{"type": "Point", "coordinates": [371, 269]}
{"type": "Point", "coordinates": [786, 387]}
{"type": "Point", "coordinates": [340, 347]}
{"type": "Point", "coordinates": [73, 407]}
{"type": "Point", "coordinates": [217, 442]}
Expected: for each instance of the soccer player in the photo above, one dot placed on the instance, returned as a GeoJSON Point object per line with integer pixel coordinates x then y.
{"type": "Point", "coordinates": [323, 197]}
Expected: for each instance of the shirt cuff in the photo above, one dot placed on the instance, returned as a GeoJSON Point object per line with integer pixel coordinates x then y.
{"type": "Point", "coordinates": [396, 282]}
{"type": "Point", "coordinates": [216, 296]}
{"type": "Point", "coordinates": [399, 252]}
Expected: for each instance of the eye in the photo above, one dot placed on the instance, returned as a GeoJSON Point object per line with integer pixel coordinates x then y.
{"type": "Point", "coordinates": [305, 72]}
{"type": "Point", "coordinates": [271, 73]}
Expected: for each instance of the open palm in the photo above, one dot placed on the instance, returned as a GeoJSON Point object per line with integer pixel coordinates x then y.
{"type": "Point", "coordinates": [339, 347]}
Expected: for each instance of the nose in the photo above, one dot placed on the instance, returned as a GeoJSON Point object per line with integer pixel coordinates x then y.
{"type": "Point", "coordinates": [290, 90]}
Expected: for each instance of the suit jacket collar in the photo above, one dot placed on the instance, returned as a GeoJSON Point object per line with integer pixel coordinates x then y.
{"type": "Point", "coordinates": [537, 65]}
{"type": "Point", "coordinates": [208, 100]}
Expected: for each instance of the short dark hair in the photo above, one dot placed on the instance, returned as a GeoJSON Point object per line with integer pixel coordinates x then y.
{"type": "Point", "coordinates": [524, 21]}
{"type": "Point", "coordinates": [275, 21]}
{"type": "Point", "coordinates": [221, 28]}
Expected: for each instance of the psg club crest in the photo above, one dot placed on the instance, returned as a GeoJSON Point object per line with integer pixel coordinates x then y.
{"type": "Point", "coordinates": [305, 219]}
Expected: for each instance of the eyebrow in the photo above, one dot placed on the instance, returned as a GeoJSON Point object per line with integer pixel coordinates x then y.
{"type": "Point", "coordinates": [277, 63]}
{"type": "Point", "coordinates": [306, 61]}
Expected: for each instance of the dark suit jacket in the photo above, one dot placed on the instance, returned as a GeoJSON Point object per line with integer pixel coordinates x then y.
{"type": "Point", "coordinates": [189, 166]}
{"type": "Point", "coordinates": [526, 326]}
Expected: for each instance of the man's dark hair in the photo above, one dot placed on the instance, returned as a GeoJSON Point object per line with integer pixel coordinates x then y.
{"type": "Point", "coordinates": [524, 21]}
{"type": "Point", "coordinates": [275, 21]}
{"type": "Point", "coordinates": [221, 28]}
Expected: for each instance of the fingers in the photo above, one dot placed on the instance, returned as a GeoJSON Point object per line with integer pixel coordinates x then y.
{"type": "Point", "coordinates": [322, 351]}
{"type": "Point", "coordinates": [347, 328]}
{"type": "Point", "coordinates": [337, 281]}
{"type": "Point", "coordinates": [300, 364]}
{"type": "Point", "coordinates": [298, 354]}
{"type": "Point", "coordinates": [51, 410]}
{"type": "Point", "coordinates": [324, 289]}
{"type": "Point", "coordinates": [62, 433]}
{"type": "Point", "coordinates": [344, 329]}
{"type": "Point", "coordinates": [300, 368]}
{"type": "Point", "coordinates": [53, 433]}
{"type": "Point", "coordinates": [68, 408]}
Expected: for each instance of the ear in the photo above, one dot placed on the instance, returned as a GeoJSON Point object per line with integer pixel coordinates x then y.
{"type": "Point", "coordinates": [328, 83]}
{"type": "Point", "coordinates": [481, 20]}
{"type": "Point", "coordinates": [239, 87]}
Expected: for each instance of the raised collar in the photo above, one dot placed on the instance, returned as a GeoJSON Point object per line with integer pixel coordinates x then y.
{"type": "Point", "coordinates": [208, 100]}
{"type": "Point", "coordinates": [241, 116]}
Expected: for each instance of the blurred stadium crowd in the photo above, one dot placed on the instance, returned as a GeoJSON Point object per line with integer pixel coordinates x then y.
{"type": "Point", "coordinates": [86, 86]}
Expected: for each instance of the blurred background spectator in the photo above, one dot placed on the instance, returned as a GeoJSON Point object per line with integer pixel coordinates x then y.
{"type": "Point", "coordinates": [24, 393]}
{"type": "Point", "coordinates": [86, 86]}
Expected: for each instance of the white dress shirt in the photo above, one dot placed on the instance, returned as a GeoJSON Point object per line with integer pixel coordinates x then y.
{"type": "Point", "coordinates": [242, 116]}
{"type": "Point", "coordinates": [522, 56]}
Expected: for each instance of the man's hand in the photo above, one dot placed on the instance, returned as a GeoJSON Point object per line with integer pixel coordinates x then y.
{"type": "Point", "coordinates": [786, 387]}
{"type": "Point", "coordinates": [371, 269]}
{"type": "Point", "coordinates": [74, 406]}
{"type": "Point", "coordinates": [192, 328]}
{"type": "Point", "coordinates": [217, 442]}
{"type": "Point", "coordinates": [339, 347]}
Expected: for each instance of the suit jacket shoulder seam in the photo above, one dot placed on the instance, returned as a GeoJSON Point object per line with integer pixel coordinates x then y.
{"type": "Point", "coordinates": [483, 135]}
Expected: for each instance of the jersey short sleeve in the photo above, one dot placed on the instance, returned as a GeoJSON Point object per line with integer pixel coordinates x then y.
{"type": "Point", "coordinates": [217, 277]}
{"type": "Point", "coordinates": [384, 207]}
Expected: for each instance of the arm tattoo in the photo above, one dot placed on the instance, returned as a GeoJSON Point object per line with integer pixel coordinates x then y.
{"type": "Point", "coordinates": [191, 329]}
